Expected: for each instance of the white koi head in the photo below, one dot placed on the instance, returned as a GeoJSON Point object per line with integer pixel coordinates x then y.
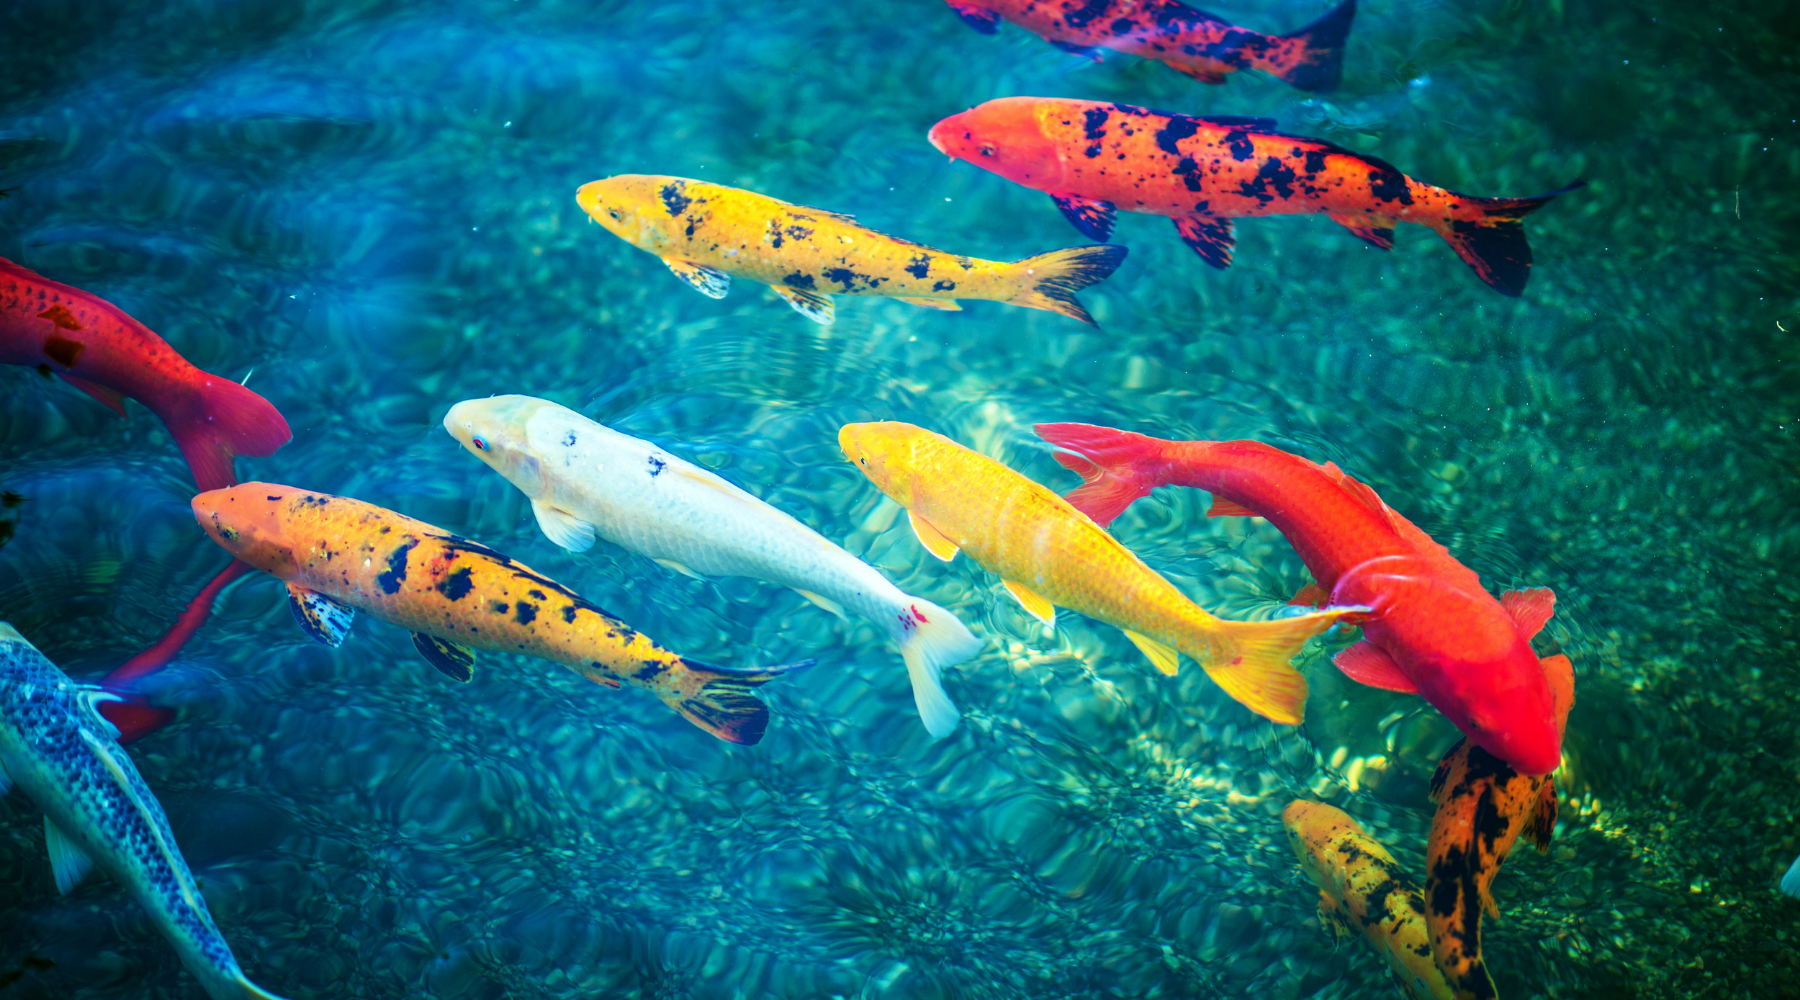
{"type": "Point", "coordinates": [496, 430]}
{"type": "Point", "coordinates": [644, 210]}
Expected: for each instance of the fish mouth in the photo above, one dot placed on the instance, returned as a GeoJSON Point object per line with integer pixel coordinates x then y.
{"type": "Point", "coordinates": [937, 142]}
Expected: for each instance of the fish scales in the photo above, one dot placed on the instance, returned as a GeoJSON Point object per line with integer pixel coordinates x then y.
{"type": "Point", "coordinates": [434, 583]}
{"type": "Point", "coordinates": [57, 749]}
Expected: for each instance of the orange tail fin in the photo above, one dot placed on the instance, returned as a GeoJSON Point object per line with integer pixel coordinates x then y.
{"type": "Point", "coordinates": [1493, 243]}
{"type": "Point", "coordinates": [1118, 466]}
{"type": "Point", "coordinates": [225, 420]}
{"type": "Point", "coordinates": [1320, 66]}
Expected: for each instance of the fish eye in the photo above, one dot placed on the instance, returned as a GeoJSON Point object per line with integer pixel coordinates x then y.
{"type": "Point", "coordinates": [479, 442]}
{"type": "Point", "coordinates": [615, 213]}
{"type": "Point", "coordinates": [988, 149]}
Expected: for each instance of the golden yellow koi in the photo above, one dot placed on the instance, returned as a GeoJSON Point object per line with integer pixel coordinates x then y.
{"type": "Point", "coordinates": [340, 555]}
{"type": "Point", "coordinates": [1362, 888]}
{"type": "Point", "coordinates": [1047, 553]}
{"type": "Point", "coordinates": [709, 233]}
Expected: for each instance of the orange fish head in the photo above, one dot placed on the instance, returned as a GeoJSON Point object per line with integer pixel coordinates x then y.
{"type": "Point", "coordinates": [1513, 713]}
{"type": "Point", "coordinates": [497, 430]}
{"type": "Point", "coordinates": [1010, 137]}
{"type": "Point", "coordinates": [637, 208]}
{"type": "Point", "coordinates": [250, 521]}
{"type": "Point", "coordinates": [1311, 829]}
{"type": "Point", "coordinates": [883, 451]}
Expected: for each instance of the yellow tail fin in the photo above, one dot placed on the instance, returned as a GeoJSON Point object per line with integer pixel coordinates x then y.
{"type": "Point", "coordinates": [1253, 665]}
{"type": "Point", "coordinates": [1050, 280]}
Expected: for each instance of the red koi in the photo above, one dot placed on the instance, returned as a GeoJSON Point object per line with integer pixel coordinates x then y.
{"type": "Point", "coordinates": [1093, 158]}
{"type": "Point", "coordinates": [134, 716]}
{"type": "Point", "coordinates": [94, 346]}
{"type": "Point", "coordinates": [1191, 41]}
{"type": "Point", "coordinates": [1434, 631]}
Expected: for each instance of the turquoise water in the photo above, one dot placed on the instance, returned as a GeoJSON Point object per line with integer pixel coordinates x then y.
{"type": "Point", "coordinates": [367, 210]}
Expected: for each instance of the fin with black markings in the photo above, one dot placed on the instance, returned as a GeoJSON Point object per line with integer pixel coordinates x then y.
{"type": "Point", "coordinates": [456, 662]}
{"type": "Point", "coordinates": [708, 281]}
{"type": "Point", "coordinates": [816, 306]}
{"type": "Point", "coordinates": [321, 617]}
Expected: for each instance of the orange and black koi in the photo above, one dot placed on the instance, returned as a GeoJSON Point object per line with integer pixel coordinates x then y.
{"type": "Point", "coordinates": [1191, 41]}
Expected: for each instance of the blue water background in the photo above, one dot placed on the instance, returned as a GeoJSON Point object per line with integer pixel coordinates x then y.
{"type": "Point", "coordinates": [367, 210]}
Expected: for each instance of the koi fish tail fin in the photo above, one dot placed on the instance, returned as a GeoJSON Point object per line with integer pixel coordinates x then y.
{"type": "Point", "coordinates": [724, 706]}
{"type": "Point", "coordinates": [1049, 281]}
{"type": "Point", "coordinates": [225, 420]}
{"type": "Point", "coordinates": [253, 991]}
{"type": "Point", "coordinates": [1319, 66]}
{"type": "Point", "coordinates": [931, 639]}
{"type": "Point", "coordinates": [1489, 236]}
{"type": "Point", "coordinates": [1117, 467]}
{"type": "Point", "coordinates": [1790, 883]}
{"type": "Point", "coordinates": [1254, 665]}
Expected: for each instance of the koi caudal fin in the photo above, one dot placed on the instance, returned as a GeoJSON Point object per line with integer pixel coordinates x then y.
{"type": "Point", "coordinates": [1118, 466]}
{"type": "Point", "coordinates": [724, 705]}
{"type": "Point", "coordinates": [1319, 67]}
{"type": "Point", "coordinates": [1488, 235]}
{"type": "Point", "coordinates": [1254, 665]}
{"type": "Point", "coordinates": [223, 420]}
{"type": "Point", "coordinates": [1050, 280]}
{"type": "Point", "coordinates": [931, 639]}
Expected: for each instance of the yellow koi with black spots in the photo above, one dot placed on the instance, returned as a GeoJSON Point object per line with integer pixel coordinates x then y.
{"type": "Point", "coordinates": [709, 233]}
{"type": "Point", "coordinates": [340, 555]}
{"type": "Point", "coordinates": [1362, 888]}
{"type": "Point", "coordinates": [1483, 804]}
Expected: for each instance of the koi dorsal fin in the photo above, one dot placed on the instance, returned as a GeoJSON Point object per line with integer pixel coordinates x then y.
{"type": "Point", "coordinates": [1529, 609]}
{"type": "Point", "coordinates": [1359, 490]}
{"type": "Point", "coordinates": [1242, 123]}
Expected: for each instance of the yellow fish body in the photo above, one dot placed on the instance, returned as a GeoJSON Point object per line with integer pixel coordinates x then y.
{"type": "Point", "coordinates": [1362, 888]}
{"type": "Point", "coordinates": [1047, 553]}
{"type": "Point", "coordinates": [709, 233]}
{"type": "Point", "coordinates": [339, 555]}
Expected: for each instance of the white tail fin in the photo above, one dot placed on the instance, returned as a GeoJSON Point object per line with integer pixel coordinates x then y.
{"type": "Point", "coordinates": [931, 639]}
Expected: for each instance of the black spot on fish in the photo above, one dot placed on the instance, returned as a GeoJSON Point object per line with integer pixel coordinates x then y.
{"type": "Point", "coordinates": [1179, 127]}
{"type": "Point", "coordinates": [499, 607]}
{"type": "Point", "coordinates": [944, 286]}
{"type": "Point", "coordinates": [272, 498]}
{"type": "Point", "coordinates": [799, 279]}
{"type": "Point", "coordinates": [919, 266]}
{"type": "Point", "coordinates": [1200, 207]}
{"type": "Point", "coordinates": [525, 613]}
{"type": "Point", "coordinates": [569, 442]}
{"type": "Point", "coordinates": [537, 594]}
{"type": "Point", "coordinates": [774, 234]}
{"type": "Point", "coordinates": [1092, 151]}
{"type": "Point", "coordinates": [650, 671]}
{"type": "Point", "coordinates": [457, 585]}
{"type": "Point", "coordinates": [1389, 185]}
{"type": "Point", "coordinates": [396, 572]}
{"type": "Point", "coordinates": [1081, 16]}
{"type": "Point", "coordinates": [842, 275]}
{"type": "Point", "coordinates": [1315, 161]}
{"type": "Point", "coordinates": [1122, 25]}
{"type": "Point", "coordinates": [385, 529]}
{"type": "Point", "coordinates": [63, 350]}
{"type": "Point", "coordinates": [1189, 172]}
{"type": "Point", "coordinates": [45, 371]}
{"type": "Point", "coordinates": [691, 224]}
{"type": "Point", "coordinates": [312, 501]}
{"type": "Point", "coordinates": [568, 613]}
{"type": "Point", "coordinates": [1094, 126]}
{"type": "Point", "coordinates": [1241, 147]}
{"type": "Point", "coordinates": [656, 466]}
{"type": "Point", "coordinates": [674, 197]}
{"type": "Point", "coordinates": [799, 232]}
{"type": "Point", "coordinates": [1272, 174]}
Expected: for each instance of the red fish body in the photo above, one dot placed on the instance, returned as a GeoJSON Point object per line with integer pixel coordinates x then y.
{"type": "Point", "coordinates": [94, 346]}
{"type": "Point", "coordinates": [1094, 158]}
{"type": "Point", "coordinates": [1192, 41]}
{"type": "Point", "coordinates": [1435, 631]}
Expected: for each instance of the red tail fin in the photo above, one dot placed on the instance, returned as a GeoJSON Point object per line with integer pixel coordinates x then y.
{"type": "Point", "coordinates": [1111, 462]}
{"type": "Point", "coordinates": [1320, 67]}
{"type": "Point", "coordinates": [1493, 242]}
{"type": "Point", "coordinates": [225, 420]}
{"type": "Point", "coordinates": [135, 717]}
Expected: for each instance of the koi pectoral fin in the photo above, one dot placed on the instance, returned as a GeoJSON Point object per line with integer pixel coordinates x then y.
{"type": "Point", "coordinates": [1035, 604]}
{"type": "Point", "coordinates": [1529, 609]}
{"type": "Point", "coordinates": [1333, 917]}
{"type": "Point", "coordinates": [563, 528]}
{"type": "Point", "coordinates": [1366, 663]}
{"type": "Point", "coordinates": [708, 281]}
{"type": "Point", "coordinates": [111, 397]}
{"type": "Point", "coordinates": [815, 306]}
{"type": "Point", "coordinates": [976, 16]}
{"type": "Point", "coordinates": [1378, 230]}
{"type": "Point", "coordinates": [1210, 237]}
{"type": "Point", "coordinates": [326, 620]}
{"type": "Point", "coordinates": [1094, 218]}
{"type": "Point", "coordinates": [68, 862]}
{"type": "Point", "coordinates": [935, 541]}
{"type": "Point", "coordinates": [454, 661]}
{"type": "Point", "coordinates": [1084, 51]}
{"type": "Point", "coordinates": [1560, 673]}
{"type": "Point", "coordinates": [1162, 656]}
{"type": "Point", "coordinates": [948, 305]}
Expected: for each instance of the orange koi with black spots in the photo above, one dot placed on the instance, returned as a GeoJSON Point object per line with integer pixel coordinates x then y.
{"type": "Point", "coordinates": [1191, 41]}
{"type": "Point", "coordinates": [339, 555]}
{"type": "Point", "coordinates": [1094, 158]}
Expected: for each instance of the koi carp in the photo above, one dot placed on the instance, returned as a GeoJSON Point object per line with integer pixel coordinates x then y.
{"type": "Point", "coordinates": [1434, 630]}
{"type": "Point", "coordinates": [1094, 158]}
{"type": "Point", "coordinates": [94, 346]}
{"type": "Point", "coordinates": [588, 481]}
{"type": "Point", "coordinates": [1362, 888]}
{"type": "Point", "coordinates": [1047, 553]}
{"type": "Point", "coordinates": [339, 555]}
{"type": "Point", "coordinates": [708, 233]}
{"type": "Point", "coordinates": [98, 810]}
{"type": "Point", "coordinates": [1191, 41]}
{"type": "Point", "coordinates": [1482, 807]}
